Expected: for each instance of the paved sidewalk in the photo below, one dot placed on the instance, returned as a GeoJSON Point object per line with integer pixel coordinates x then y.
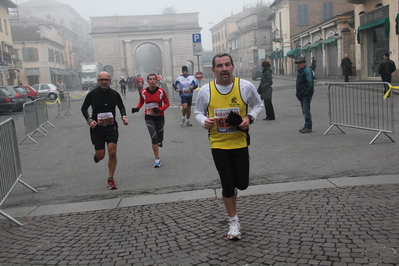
{"type": "Point", "coordinates": [337, 221]}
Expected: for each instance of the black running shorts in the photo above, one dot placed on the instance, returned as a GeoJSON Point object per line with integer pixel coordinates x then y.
{"type": "Point", "coordinates": [101, 135]}
{"type": "Point", "coordinates": [187, 100]}
{"type": "Point", "coordinates": [233, 168]}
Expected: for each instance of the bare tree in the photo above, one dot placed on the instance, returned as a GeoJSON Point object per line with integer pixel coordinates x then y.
{"type": "Point", "coordinates": [169, 10]}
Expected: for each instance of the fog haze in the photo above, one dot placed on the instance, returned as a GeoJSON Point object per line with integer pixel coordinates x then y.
{"type": "Point", "coordinates": [210, 12]}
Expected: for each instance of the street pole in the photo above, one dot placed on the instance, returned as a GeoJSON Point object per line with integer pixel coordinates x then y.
{"type": "Point", "coordinates": [199, 70]}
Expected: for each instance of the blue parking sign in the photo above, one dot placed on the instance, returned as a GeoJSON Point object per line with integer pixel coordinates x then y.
{"type": "Point", "coordinates": [196, 38]}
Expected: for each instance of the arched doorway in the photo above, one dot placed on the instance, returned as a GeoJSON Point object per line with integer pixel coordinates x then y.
{"type": "Point", "coordinates": [148, 60]}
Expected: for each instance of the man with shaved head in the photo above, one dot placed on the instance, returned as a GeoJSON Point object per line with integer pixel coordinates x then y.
{"type": "Point", "coordinates": [103, 126]}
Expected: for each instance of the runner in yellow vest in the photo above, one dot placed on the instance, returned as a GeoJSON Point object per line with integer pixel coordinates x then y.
{"type": "Point", "coordinates": [216, 104]}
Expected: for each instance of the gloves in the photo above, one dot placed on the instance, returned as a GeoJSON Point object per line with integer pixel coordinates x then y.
{"type": "Point", "coordinates": [134, 110]}
{"type": "Point", "coordinates": [156, 111]}
{"type": "Point", "coordinates": [234, 119]}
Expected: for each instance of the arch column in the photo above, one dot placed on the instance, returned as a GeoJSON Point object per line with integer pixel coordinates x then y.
{"type": "Point", "coordinates": [129, 57]}
{"type": "Point", "coordinates": [167, 58]}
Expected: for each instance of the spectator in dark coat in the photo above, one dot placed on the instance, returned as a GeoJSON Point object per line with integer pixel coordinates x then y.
{"type": "Point", "coordinates": [265, 90]}
{"type": "Point", "coordinates": [386, 68]}
{"type": "Point", "coordinates": [346, 65]}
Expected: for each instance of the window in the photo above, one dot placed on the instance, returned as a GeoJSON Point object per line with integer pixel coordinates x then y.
{"type": "Point", "coordinates": [328, 11]}
{"type": "Point", "coordinates": [1, 25]}
{"type": "Point", "coordinates": [50, 55]}
{"type": "Point", "coordinates": [57, 56]}
{"type": "Point", "coordinates": [30, 54]}
{"type": "Point", "coordinates": [5, 26]}
{"type": "Point", "coordinates": [15, 53]}
{"type": "Point", "coordinates": [303, 15]}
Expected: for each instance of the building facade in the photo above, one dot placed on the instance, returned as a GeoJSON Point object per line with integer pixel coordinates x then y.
{"type": "Point", "coordinates": [8, 70]}
{"type": "Point", "coordinates": [377, 30]}
{"type": "Point", "coordinates": [131, 45]}
{"type": "Point", "coordinates": [45, 51]}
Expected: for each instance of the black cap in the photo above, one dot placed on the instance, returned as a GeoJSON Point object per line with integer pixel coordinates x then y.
{"type": "Point", "coordinates": [184, 68]}
{"type": "Point", "coordinates": [386, 54]}
{"type": "Point", "coordinates": [300, 60]}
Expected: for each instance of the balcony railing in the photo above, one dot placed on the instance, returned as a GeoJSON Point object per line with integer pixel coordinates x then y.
{"type": "Point", "coordinates": [357, 2]}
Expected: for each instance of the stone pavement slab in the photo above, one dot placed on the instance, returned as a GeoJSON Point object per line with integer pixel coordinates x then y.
{"type": "Point", "coordinates": [345, 225]}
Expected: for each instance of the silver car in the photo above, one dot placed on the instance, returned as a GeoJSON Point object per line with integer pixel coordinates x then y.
{"type": "Point", "coordinates": [47, 90]}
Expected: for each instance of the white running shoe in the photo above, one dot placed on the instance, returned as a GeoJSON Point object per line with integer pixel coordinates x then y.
{"type": "Point", "coordinates": [157, 163]}
{"type": "Point", "coordinates": [183, 120]}
{"type": "Point", "coordinates": [189, 124]}
{"type": "Point", "coordinates": [234, 230]}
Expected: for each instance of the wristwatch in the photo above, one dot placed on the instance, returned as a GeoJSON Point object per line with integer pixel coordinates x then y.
{"type": "Point", "coordinates": [251, 119]}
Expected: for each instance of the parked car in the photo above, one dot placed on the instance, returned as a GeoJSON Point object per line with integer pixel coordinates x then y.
{"type": "Point", "coordinates": [7, 101]}
{"type": "Point", "coordinates": [47, 90]}
{"type": "Point", "coordinates": [257, 72]}
{"type": "Point", "coordinates": [19, 94]}
{"type": "Point", "coordinates": [31, 92]}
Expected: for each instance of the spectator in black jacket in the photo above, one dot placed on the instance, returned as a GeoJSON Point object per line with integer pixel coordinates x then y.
{"type": "Point", "coordinates": [386, 68]}
{"type": "Point", "coordinates": [346, 65]}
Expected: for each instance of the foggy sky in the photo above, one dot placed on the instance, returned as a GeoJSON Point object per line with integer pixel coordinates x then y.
{"type": "Point", "coordinates": [211, 12]}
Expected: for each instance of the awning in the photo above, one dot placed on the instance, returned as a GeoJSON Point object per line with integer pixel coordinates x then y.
{"type": "Point", "coordinates": [273, 55]}
{"type": "Point", "coordinates": [384, 21]}
{"type": "Point", "coordinates": [280, 53]}
{"type": "Point", "coordinates": [32, 72]}
{"type": "Point", "coordinates": [305, 48]}
{"type": "Point", "coordinates": [397, 24]}
{"type": "Point", "coordinates": [294, 53]}
{"type": "Point", "coordinates": [55, 71]}
{"type": "Point", "coordinates": [317, 45]}
{"type": "Point", "coordinates": [330, 40]}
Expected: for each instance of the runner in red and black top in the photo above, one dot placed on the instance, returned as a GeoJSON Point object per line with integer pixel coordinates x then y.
{"type": "Point", "coordinates": [156, 102]}
{"type": "Point", "coordinates": [103, 126]}
{"type": "Point", "coordinates": [140, 82]}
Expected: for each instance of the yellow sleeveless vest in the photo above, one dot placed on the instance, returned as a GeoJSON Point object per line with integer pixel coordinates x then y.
{"type": "Point", "coordinates": [222, 135]}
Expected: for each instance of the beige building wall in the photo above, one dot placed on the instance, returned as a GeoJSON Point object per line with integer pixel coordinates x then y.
{"type": "Point", "coordinates": [49, 37]}
{"type": "Point", "coordinates": [362, 48]}
{"type": "Point", "coordinates": [6, 41]}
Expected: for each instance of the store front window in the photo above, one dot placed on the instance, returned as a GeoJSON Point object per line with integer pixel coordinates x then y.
{"type": "Point", "coordinates": [377, 45]}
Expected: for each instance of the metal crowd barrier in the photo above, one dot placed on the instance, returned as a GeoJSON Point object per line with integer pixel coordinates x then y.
{"type": "Point", "coordinates": [64, 104]}
{"type": "Point", "coordinates": [35, 118]}
{"type": "Point", "coordinates": [173, 96]}
{"type": "Point", "coordinates": [361, 105]}
{"type": "Point", "coordinates": [10, 170]}
{"type": "Point", "coordinates": [42, 113]}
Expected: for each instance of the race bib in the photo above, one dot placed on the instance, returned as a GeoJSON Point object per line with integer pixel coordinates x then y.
{"type": "Point", "coordinates": [186, 91]}
{"type": "Point", "coordinates": [222, 126]}
{"type": "Point", "coordinates": [148, 108]}
{"type": "Point", "coordinates": [104, 119]}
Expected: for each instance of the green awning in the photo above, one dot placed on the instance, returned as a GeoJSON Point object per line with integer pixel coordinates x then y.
{"type": "Point", "coordinates": [294, 53]}
{"type": "Point", "coordinates": [317, 45]}
{"type": "Point", "coordinates": [306, 48]}
{"type": "Point", "coordinates": [397, 24]}
{"type": "Point", "coordinates": [330, 40]}
{"type": "Point", "coordinates": [384, 21]}
{"type": "Point", "coordinates": [280, 53]}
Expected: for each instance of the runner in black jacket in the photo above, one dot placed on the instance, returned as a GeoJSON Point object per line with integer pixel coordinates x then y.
{"type": "Point", "coordinates": [103, 126]}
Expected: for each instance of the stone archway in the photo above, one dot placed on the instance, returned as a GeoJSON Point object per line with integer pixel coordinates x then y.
{"type": "Point", "coordinates": [148, 59]}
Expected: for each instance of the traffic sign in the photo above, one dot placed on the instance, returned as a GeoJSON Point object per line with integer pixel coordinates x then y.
{"type": "Point", "coordinates": [197, 44]}
{"type": "Point", "coordinates": [199, 75]}
{"type": "Point", "coordinates": [196, 38]}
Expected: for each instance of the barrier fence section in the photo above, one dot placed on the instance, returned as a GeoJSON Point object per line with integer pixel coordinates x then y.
{"type": "Point", "coordinates": [64, 105]}
{"type": "Point", "coordinates": [42, 113]}
{"type": "Point", "coordinates": [361, 105]}
{"type": "Point", "coordinates": [35, 118]}
{"type": "Point", "coordinates": [173, 96]}
{"type": "Point", "coordinates": [10, 170]}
